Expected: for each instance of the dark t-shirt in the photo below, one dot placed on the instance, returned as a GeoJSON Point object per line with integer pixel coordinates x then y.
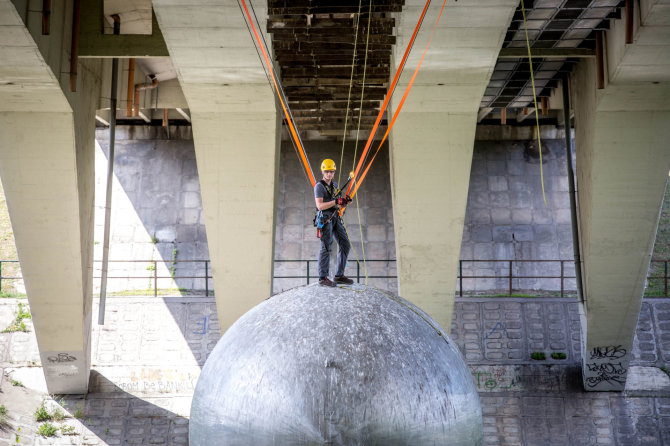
{"type": "Point", "coordinates": [321, 192]}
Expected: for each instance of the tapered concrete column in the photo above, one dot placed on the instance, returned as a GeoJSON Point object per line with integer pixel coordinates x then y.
{"type": "Point", "coordinates": [432, 141]}
{"type": "Point", "coordinates": [47, 171]}
{"type": "Point", "coordinates": [431, 154]}
{"type": "Point", "coordinates": [623, 159]}
{"type": "Point", "coordinates": [237, 158]}
{"type": "Point", "coordinates": [235, 136]}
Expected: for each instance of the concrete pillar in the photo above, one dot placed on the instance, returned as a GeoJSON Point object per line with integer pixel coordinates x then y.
{"type": "Point", "coordinates": [47, 171]}
{"type": "Point", "coordinates": [237, 155]}
{"type": "Point", "coordinates": [432, 141]}
{"type": "Point", "coordinates": [623, 160]}
{"type": "Point", "coordinates": [431, 154]}
{"type": "Point", "coordinates": [235, 136]}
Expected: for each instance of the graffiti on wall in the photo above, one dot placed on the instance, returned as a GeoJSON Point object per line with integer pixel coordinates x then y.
{"type": "Point", "coordinates": [606, 366]}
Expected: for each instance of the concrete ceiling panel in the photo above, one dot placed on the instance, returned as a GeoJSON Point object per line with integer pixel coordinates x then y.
{"type": "Point", "coordinates": [447, 98]}
{"type": "Point", "coordinates": [638, 97]}
{"type": "Point", "coordinates": [8, 14]}
{"type": "Point", "coordinates": [209, 37]}
{"type": "Point", "coordinates": [194, 17]}
{"type": "Point", "coordinates": [15, 36]}
{"type": "Point", "coordinates": [229, 99]}
{"type": "Point", "coordinates": [26, 81]}
{"type": "Point", "coordinates": [226, 58]}
{"type": "Point", "coordinates": [217, 76]}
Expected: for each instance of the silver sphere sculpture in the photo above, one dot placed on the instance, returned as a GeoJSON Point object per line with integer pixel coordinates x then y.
{"type": "Point", "coordinates": [335, 366]}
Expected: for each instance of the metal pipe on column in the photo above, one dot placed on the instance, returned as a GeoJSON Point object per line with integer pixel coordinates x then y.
{"type": "Point", "coordinates": [571, 186]}
{"type": "Point", "coordinates": [110, 177]}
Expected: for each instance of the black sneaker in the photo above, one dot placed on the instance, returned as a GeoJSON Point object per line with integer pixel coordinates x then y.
{"type": "Point", "coordinates": [343, 280]}
{"type": "Point", "coordinates": [326, 282]}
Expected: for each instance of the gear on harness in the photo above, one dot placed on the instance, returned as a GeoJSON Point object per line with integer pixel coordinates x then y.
{"type": "Point", "coordinates": [318, 223]}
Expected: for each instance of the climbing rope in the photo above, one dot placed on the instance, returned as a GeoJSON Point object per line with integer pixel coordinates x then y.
{"type": "Point", "coordinates": [351, 84]}
{"type": "Point", "coordinates": [537, 117]}
{"type": "Point", "coordinates": [358, 132]}
{"type": "Point", "coordinates": [388, 95]}
{"type": "Point", "coordinates": [400, 105]}
{"type": "Point", "coordinates": [280, 95]}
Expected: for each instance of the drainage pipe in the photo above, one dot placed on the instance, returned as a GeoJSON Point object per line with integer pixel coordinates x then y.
{"type": "Point", "coordinates": [110, 176]}
{"type": "Point", "coordinates": [140, 87]}
{"type": "Point", "coordinates": [571, 185]}
{"type": "Point", "coordinates": [129, 87]}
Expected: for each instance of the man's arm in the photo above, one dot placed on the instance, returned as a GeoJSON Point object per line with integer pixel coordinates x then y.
{"type": "Point", "coordinates": [323, 205]}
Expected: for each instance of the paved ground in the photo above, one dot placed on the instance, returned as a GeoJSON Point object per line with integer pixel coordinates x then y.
{"type": "Point", "coordinates": [147, 358]}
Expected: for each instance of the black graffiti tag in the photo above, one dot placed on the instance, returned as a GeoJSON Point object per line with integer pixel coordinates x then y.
{"type": "Point", "coordinates": [612, 352]}
{"type": "Point", "coordinates": [608, 372]}
{"type": "Point", "coordinates": [62, 357]}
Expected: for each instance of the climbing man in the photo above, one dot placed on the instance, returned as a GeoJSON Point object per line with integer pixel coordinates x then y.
{"type": "Point", "coordinates": [325, 196]}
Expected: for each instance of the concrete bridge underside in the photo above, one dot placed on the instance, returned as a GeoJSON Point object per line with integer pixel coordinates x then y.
{"type": "Point", "coordinates": [46, 151]}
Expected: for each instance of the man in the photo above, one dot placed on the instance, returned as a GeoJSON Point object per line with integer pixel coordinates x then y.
{"type": "Point", "coordinates": [325, 192]}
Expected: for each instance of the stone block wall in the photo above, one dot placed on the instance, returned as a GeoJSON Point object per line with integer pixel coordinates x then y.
{"type": "Point", "coordinates": [156, 209]}
{"type": "Point", "coordinates": [507, 219]}
{"type": "Point", "coordinates": [157, 214]}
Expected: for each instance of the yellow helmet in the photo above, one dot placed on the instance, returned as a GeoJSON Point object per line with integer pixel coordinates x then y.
{"type": "Point", "coordinates": [328, 164]}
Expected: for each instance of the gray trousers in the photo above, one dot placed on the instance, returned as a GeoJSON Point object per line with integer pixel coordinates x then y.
{"type": "Point", "coordinates": [333, 228]}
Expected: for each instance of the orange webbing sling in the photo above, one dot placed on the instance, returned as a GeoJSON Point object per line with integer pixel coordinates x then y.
{"type": "Point", "coordinates": [388, 96]}
{"type": "Point", "coordinates": [284, 106]}
{"type": "Point", "coordinates": [400, 105]}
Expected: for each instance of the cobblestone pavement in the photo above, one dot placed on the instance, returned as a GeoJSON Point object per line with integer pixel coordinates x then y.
{"type": "Point", "coordinates": [147, 359]}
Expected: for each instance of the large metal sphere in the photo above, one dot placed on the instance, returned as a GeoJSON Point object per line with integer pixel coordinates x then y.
{"type": "Point", "coordinates": [335, 366]}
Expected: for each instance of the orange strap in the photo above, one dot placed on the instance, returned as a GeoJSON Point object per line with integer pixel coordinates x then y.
{"type": "Point", "coordinates": [400, 105]}
{"type": "Point", "coordinates": [293, 131]}
{"type": "Point", "coordinates": [388, 95]}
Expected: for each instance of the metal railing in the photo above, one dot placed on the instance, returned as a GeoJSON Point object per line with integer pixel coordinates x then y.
{"type": "Point", "coordinates": [359, 266]}
{"type": "Point", "coordinates": [510, 277]}
{"type": "Point", "coordinates": [658, 278]}
{"type": "Point", "coordinates": [7, 277]}
{"type": "Point", "coordinates": [154, 277]}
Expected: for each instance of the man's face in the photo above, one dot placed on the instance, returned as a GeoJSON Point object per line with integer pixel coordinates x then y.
{"type": "Point", "coordinates": [328, 175]}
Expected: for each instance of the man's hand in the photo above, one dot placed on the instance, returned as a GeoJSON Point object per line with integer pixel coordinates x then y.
{"type": "Point", "coordinates": [343, 201]}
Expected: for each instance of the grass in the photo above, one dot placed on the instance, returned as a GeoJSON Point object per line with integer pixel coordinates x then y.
{"type": "Point", "coordinates": [58, 415]}
{"type": "Point", "coordinates": [538, 356]}
{"type": "Point", "coordinates": [78, 413]}
{"type": "Point", "coordinates": [18, 324]}
{"type": "Point", "coordinates": [16, 383]}
{"type": "Point", "coordinates": [67, 430]}
{"type": "Point", "coordinates": [4, 420]}
{"type": "Point", "coordinates": [47, 430]}
{"type": "Point", "coordinates": [12, 294]}
{"type": "Point", "coordinates": [42, 414]}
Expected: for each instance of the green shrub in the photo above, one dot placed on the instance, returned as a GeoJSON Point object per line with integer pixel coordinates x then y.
{"type": "Point", "coordinates": [16, 383]}
{"type": "Point", "coordinates": [558, 355]}
{"type": "Point", "coordinates": [18, 324]}
{"type": "Point", "coordinates": [47, 430]}
{"type": "Point", "coordinates": [538, 356]}
{"type": "Point", "coordinates": [42, 414]}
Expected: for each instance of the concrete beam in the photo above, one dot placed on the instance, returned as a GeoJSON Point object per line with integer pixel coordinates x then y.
{"type": "Point", "coordinates": [93, 43]}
